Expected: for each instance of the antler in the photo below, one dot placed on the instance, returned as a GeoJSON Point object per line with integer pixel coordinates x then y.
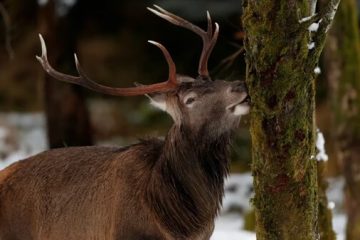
{"type": "Point", "coordinates": [84, 81]}
{"type": "Point", "coordinates": [209, 37]}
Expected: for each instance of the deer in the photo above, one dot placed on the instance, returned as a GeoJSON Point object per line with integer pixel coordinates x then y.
{"type": "Point", "coordinates": [156, 189]}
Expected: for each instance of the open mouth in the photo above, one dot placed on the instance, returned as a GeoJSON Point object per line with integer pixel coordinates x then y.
{"type": "Point", "coordinates": [240, 108]}
{"type": "Point", "coordinates": [246, 100]}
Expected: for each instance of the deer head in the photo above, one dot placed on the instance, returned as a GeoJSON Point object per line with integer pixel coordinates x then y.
{"type": "Point", "coordinates": [199, 104]}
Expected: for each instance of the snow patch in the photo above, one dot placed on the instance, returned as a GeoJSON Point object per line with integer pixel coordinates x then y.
{"type": "Point", "coordinates": [305, 19]}
{"type": "Point", "coordinates": [21, 136]}
{"type": "Point", "coordinates": [239, 190]}
{"type": "Point", "coordinates": [311, 45]}
{"type": "Point", "coordinates": [331, 205]}
{"type": "Point", "coordinates": [339, 225]}
{"type": "Point", "coordinates": [233, 235]}
{"type": "Point", "coordinates": [314, 27]}
{"type": "Point", "coordinates": [317, 70]}
{"type": "Point", "coordinates": [320, 146]}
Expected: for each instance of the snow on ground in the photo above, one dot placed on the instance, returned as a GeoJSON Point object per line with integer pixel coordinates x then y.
{"type": "Point", "coordinates": [229, 226]}
{"type": "Point", "coordinates": [239, 190]}
{"type": "Point", "coordinates": [23, 135]}
{"type": "Point", "coordinates": [233, 235]}
{"type": "Point", "coordinates": [339, 223]}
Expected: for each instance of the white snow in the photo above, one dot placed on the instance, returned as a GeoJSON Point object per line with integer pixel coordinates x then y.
{"type": "Point", "coordinates": [311, 45]}
{"type": "Point", "coordinates": [320, 146]}
{"type": "Point", "coordinates": [317, 70]}
{"type": "Point", "coordinates": [339, 224]}
{"type": "Point", "coordinates": [229, 225]}
{"type": "Point", "coordinates": [305, 19]}
{"type": "Point", "coordinates": [21, 135]}
{"type": "Point", "coordinates": [314, 27]}
{"type": "Point", "coordinates": [331, 205]}
{"type": "Point", "coordinates": [233, 235]}
{"type": "Point", "coordinates": [334, 193]}
{"type": "Point", "coordinates": [238, 188]}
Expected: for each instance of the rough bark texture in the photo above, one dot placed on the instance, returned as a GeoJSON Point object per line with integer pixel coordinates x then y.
{"type": "Point", "coordinates": [280, 78]}
{"type": "Point", "coordinates": [66, 111]}
{"type": "Point", "coordinates": [343, 74]}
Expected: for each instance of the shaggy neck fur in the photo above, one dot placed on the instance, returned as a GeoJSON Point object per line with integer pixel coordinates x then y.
{"type": "Point", "coordinates": [187, 183]}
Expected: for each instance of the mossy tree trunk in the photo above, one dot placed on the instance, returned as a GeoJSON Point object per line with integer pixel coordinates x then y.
{"type": "Point", "coordinates": [281, 56]}
{"type": "Point", "coordinates": [343, 73]}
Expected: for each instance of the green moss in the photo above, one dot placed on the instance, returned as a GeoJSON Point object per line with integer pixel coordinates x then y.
{"type": "Point", "coordinates": [282, 120]}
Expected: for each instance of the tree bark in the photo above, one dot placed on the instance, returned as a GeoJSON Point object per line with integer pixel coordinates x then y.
{"type": "Point", "coordinates": [343, 73]}
{"type": "Point", "coordinates": [281, 56]}
{"type": "Point", "coordinates": [66, 111]}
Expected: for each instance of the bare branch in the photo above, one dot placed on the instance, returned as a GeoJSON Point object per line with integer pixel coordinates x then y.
{"type": "Point", "coordinates": [326, 18]}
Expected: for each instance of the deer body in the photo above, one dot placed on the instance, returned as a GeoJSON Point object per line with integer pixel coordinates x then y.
{"type": "Point", "coordinates": [116, 193]}
{"type": "Point", "coordinates": [156, 189]}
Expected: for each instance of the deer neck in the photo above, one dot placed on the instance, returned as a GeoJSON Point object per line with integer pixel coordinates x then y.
{"type": "Point", "coordinates": [188, 184]}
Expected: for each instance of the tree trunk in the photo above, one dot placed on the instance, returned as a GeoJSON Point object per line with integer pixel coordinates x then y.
{"type": "Point", "coordinates": [66, 111]}
{"type": "Point", "coordinates": [343, 73]}
{"type": "Point", "coordinates": [326, 231]}
{"type": "Point", "coordinates": [281, 56]}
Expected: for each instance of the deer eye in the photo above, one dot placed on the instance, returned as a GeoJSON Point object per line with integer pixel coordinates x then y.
{"type": "Point", "coordinates": [190, 99]}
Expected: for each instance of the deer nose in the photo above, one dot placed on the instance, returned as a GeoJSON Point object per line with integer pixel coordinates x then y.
{"type": "Point", "coordinates": [239, 86]}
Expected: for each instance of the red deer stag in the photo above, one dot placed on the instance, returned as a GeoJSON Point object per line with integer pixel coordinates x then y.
{"type": "Point", "coordinates": [155, 189]}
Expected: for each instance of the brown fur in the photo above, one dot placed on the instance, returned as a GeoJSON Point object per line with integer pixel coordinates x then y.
{"type": "Point", "coordinates": [153, 190]}
{"type": "Point", "coordinates": [60, 194]}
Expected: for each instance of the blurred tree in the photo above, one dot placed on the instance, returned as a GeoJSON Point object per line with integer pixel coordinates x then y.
{"type": "Point", "coordinates": [7, 30]}
{"type": "Point", "coordinates": [326, 231]}
{"type": "Point", "coordinates": [280, 78]}
{"type": "Point", "coordinates": [18, 76]}
{"type": "Point", "coordinates": [66, 112]}
{"type": "Point", "coordinates": [342, 66]}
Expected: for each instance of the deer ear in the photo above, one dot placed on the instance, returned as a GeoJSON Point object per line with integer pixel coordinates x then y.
{"type": "Point", "coordinates": [184, 79]}
{"type": "Point", "coordinates": [158, 100]}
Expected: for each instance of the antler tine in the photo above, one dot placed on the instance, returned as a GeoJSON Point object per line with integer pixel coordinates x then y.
{"type": "Point", "coordinates": [209, 37]}
{"type": "Point", "coordinates": [84, 81]}
{"type": "Point", "coordinates": [169, 60]}
{"type": "Point", "coordinates": [209, 26]}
